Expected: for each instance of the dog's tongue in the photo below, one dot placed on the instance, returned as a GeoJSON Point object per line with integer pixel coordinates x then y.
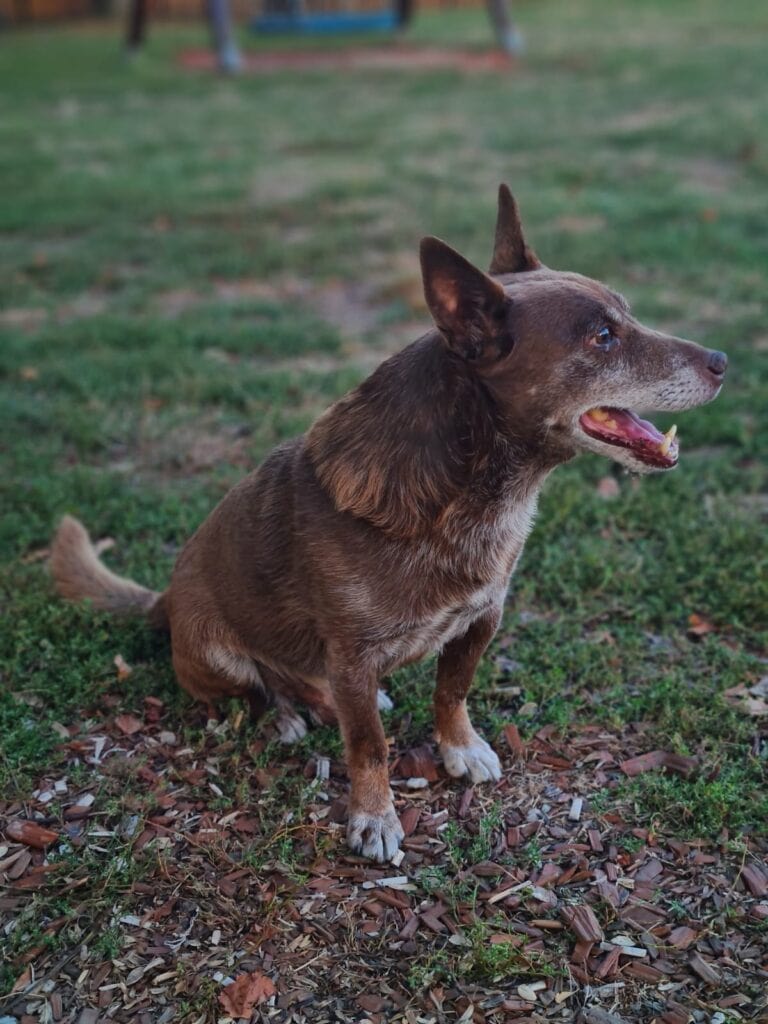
{"type": "Point", "coordinates": [624, 423]}
{"type": "Point", "coordinates": [624, 427]}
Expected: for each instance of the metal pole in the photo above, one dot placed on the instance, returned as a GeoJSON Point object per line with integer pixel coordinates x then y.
{"type": "Point", "coordinates": [507, 36]}
{"type": "Point", "coordinates": [137, 25]}
{"type": "Point", "coordinates": [224, 43]}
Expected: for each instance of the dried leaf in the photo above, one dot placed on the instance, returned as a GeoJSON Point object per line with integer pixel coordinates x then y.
{"type": "Point", "coordinates": [409, 819]}
{"type": "Point", "coordinates": [698, 626]}
{"type": "Point", "coordinates": [680, 764]}
{"type": "Point", "coordinates": [743, 700]}
{"type": "Point", "coordinates": [755, 706]}
{"type": "Point", "coordinates": [128, 724]}
{"type": "Point", "coordinates": [705, 971]}
{"type": "Point", "coordinates": [609, 964]}
{"type": "Point", "coordinates": [371, 1003]}
{"type": "Point", "coordinates": [608, 487]}
{"type": "Point", "coordinates": [30, 833]}
{"type": "Point", "coordinates": [418, 763]}
{"type": "Point", "coordinates": [754, 879]}
{"type": "Point", "coordinates": [677, 763]}
{"type": "Point", "coordinates": [37, 555]}
{"type": "Point", "coordinates": [644, 972]}
{"type": "Point", "coordinates": [15, 865]}
{"type": "Point", "coordinates": [22, 981]}
{"type": "Point", "coordinates": [246, 992]}
{"type": "Point", "coordinates": [247, 824]}
{"type": "Point", "coordinates": [643, 763]}
{"type": "Point", "coordinates": [681, 937]}
{"type": "Point", "coordinates": [583, 923]}
{"type": "Point", "coordinates": [123, 668]}
{"type": "Point", "coordinates": [512, 735]}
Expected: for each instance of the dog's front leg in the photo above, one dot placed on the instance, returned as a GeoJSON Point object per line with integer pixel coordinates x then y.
{"type": "Point", "coordinates": [373, 828]}
{"type": "Point", "coordinates": [464, 752]}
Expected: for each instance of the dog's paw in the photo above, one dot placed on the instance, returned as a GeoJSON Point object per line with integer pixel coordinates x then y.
{"type": "Point", "coordinates": [290, 727]}
{"type": "Point", "coordinates": [383, 702]}
{"type": "Point", "coordinates": [476, 759]}
{"type": "Point", "coordinates": [373, 835]}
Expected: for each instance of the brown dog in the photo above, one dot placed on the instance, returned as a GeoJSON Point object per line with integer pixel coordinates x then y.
{"type": "Point", "coordinates": [391, 528]}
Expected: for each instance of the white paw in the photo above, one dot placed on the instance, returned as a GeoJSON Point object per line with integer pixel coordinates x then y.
{"type": "Point", "coordinates": [375, 836]}
{"type": "Point", "coordinates": [476, 760]}
{"type": "Point", "coordinates": [291, 727]}
{"type": "Point", "coordinates": [383, 701]}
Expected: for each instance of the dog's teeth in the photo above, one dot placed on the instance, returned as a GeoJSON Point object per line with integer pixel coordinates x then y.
{"type": "Point", "coordinates": [598, 414]}
{"type": "Point", "coordinates": [669, 437]}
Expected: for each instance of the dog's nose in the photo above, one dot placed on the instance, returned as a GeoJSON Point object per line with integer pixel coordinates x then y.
{"type": "Point", "coordinates": [717, 363]}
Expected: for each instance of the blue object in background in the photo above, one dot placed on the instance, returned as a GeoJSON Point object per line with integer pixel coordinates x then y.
{"type": "Point", "coordinates": [324, 17]}
{"type": "Point", "coordinates": [332, 22]}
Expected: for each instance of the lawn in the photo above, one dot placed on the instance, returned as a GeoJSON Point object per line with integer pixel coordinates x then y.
{"type": "Point", "coordinates": [191, 269]}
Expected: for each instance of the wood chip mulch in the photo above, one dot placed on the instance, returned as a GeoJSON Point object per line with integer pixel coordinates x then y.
{"type": "Point", "coordinates": [526, 900]}
{"type": "Point", "coordinates": [388, 58]}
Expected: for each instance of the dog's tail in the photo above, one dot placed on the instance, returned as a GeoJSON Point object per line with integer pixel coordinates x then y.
{"type": "Point", "coordinates": [80, 575]}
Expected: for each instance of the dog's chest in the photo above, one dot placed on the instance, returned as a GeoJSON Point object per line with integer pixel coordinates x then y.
{"type": "Point", "coordinates": [434, 600]}
{"type": "Point", "coordinates": [433, 630]}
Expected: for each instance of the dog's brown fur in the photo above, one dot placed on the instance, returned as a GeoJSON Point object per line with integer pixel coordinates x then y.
{"type": "Point", "coordinates": [391, 528]}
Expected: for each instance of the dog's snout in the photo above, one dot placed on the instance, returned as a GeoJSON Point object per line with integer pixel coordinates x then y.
{"type": "Point", "coordinates": [717, 363]}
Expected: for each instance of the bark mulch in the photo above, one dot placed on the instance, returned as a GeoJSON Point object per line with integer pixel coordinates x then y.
{"type": "Point", "coordinates": [530, 900]}
{"type": "Point", "coordinates": [390, 57]}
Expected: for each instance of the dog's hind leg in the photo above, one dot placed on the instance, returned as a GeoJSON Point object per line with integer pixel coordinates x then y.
{"type": "Point", "coordinates": [224, 672]}
{"type": "Point", "coordinates": [289, 691]}
{"type": "Point", "coordinates": [383, 701]}
{"type": "Point", "coordinates": [212, 672]}
{"type": "Point", "coordinates": [464, 752]}
{"type": "Point", "coordinates": [291, 727]}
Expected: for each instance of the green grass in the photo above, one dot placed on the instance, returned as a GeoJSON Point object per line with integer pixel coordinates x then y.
{"type": "Point", "coordinates": [131, 196]}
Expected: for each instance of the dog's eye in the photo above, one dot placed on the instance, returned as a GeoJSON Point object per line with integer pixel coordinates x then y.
{"type": "Point", "coordinates": [605, 339]}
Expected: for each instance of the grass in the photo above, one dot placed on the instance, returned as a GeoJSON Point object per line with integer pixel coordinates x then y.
{"type": "Point", "coordinates": [182, 261]}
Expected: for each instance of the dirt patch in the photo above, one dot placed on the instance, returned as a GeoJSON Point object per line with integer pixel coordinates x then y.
{"type": "Point", "coordinates": [710, 176]}
{"type": "Point", "coordinates": [197, 446]}
{"type": "Point", "coordinates": [364, 58]}
{"type": "Point", "coordinates": [357, 311]}
{"type": "Point", "coordinates": [350, 307]}
{"type": "Point", "coordinates": [655, 115]}
{"type": "Point", "coordinates": [573, 224]}
{"type": "Point", "coordinates": [81, 307]}
{"type": "Point", "coordinates": [23, 319]}
{"type": "Point", "coordinates": [177, 302]}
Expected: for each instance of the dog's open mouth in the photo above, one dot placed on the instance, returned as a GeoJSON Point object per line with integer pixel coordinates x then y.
{"type": "Point", "coordinates": [625, 429]}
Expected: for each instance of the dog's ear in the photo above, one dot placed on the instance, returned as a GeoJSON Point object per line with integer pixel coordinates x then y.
{"type": "Point", "coordinates": [468, 306]}
{"type": "Point", "coordinates": [510, 253]}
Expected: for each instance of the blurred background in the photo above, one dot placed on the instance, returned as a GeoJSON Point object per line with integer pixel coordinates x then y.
{"type": "Point", "coordinates": [193, 264]}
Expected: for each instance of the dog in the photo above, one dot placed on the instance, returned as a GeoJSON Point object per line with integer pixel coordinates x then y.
{"type": "Point", "coordinates": [391, 528]}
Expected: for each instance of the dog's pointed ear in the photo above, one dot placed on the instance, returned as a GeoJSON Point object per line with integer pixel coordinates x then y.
{"type": "Point", "coordinates": [469, 307]}
{"type": "Point", "coordinates": [510, 253]}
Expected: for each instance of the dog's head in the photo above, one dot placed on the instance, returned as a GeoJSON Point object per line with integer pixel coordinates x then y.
{"type": "Point", "coordinates": [561, 355]}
